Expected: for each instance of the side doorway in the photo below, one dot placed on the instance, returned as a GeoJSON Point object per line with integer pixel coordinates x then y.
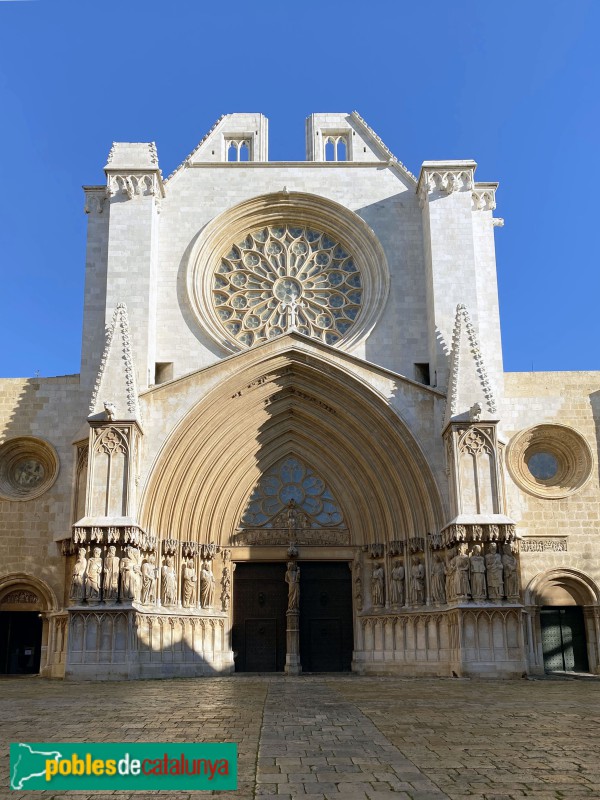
{"type": "Point", "coordinates": [564, 643]}
{"type": "Point", "coordinates": [20, 642]}
{"type": "Point", "coordinates": [326, 631]}
{"type": "Point", "coordinates": [260, 599]}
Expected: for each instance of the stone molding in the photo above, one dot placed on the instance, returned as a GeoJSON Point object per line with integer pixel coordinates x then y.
{"type": "Point", "coordinates": [570, 449]}
{"type": "Point", "coordinates": [544, 544]}
{"type": "Point", "coordinates": [29, 466]}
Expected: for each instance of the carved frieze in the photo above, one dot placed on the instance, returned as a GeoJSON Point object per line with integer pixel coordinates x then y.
{"type": "Point", "coordinates": [21, 596]}
{"type": "Point", "coordinates": [308, 536]}
{"type": "Point", "coordinates": [540, 544]}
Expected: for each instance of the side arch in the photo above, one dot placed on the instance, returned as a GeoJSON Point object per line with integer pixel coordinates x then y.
{"type": "Point", "coordinates": [291, 404]}
{"type": "Point", "coordinates": [16, 582]}
{"type": "Point", "coordinates": [580, 586]}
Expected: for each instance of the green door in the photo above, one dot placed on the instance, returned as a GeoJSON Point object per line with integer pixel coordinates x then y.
{"type": "Point", "coordinates": [563, 639]}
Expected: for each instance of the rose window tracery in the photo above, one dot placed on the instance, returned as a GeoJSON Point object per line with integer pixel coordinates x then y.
{"type": "Point", "coordinates": [287, 277]}
{"type": "Point", "coordinates": [291, 482]}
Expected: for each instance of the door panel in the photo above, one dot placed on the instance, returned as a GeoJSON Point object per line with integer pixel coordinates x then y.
{"type": "Point", "coordinates": [563, 639]}
{"type": "Point", "coordinates": [259, 622]}
{"type": "Point", "coordinates": [326, 634]}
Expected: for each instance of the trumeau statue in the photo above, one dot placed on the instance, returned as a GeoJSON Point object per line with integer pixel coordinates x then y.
{"type": "Point", "coordinates": [78, 576]}
{"type": "Point", "coordinates": [93, 576]}
{"type": "Point", "coordinates": [292, 578]}
{"type": "Point", "coordinates": [477, 574]}
{"type": "Point", "coordinates": [149, 575]}
{"type": "Point", "coordinates": [377, 585]}
{"type": "Point", "coordinates": [111, 574]}
{"type": "Point", "coordinates": [207, 585]}
{"type": "Point", "coordinates": [397, 588]}
{"type": "Point", "coordinates": [494, 568]}
{"type": "Point", "coordinates": [188, 584]}
{"type": "Point", "coordinates": [438, 580]}
{"type": "Point", "coordinates": [168, 590]}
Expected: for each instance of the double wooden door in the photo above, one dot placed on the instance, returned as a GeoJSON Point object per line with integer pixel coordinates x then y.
{"type": "Point", "coordinates": [259, 621]}
{"type": "Point", "coordinates": [563, 639]}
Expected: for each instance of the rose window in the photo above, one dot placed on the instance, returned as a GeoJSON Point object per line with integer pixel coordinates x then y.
{"type": "Point", "coordinates": [287, 277]}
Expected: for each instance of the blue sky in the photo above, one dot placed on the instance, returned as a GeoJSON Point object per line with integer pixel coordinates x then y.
{"type": "Point", "coordinates": [513, 85]}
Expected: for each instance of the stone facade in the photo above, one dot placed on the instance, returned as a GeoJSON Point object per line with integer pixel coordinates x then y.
{"type": "Point", "coordinates": [296, 363]}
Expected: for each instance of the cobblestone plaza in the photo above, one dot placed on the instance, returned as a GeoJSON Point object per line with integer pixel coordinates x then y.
{"type": "Point", "coordinates": [336, 737]}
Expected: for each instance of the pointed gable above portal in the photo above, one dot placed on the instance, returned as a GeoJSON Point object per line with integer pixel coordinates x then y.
{"type": "Point", "coordinates": [115, 393]}
{"type": "Point", "coordinates": [469, 391]}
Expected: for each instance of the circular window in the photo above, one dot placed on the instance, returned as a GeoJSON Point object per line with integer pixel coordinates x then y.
{"type": "Point", "coordinates": [283, 277]}
{"type": "Point", "coordinates": [543, 466]}
{"type": "Point", "coordinates": [550, 461]}
{"type": "Point", "coordinates": [287, 261]}
{"type": "Point", "coordinates": [28, 468]}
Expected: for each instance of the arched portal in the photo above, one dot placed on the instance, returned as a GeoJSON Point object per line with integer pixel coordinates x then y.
{"type": "Point", "coordinates": [373, 489]}
{"type": "Point", "coordinates": [297, 404]}
{"type": "Point", "coordinates": [24, 604]}
{"type": "Point", "coordinates": [564, 622]}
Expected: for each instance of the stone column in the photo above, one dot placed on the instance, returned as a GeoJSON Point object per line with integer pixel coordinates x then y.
{"type": "Point", "coordinates": [292, 656]}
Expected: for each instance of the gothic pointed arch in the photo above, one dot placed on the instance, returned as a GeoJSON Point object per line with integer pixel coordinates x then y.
{"type": "Point", "coordinates": [291, 402]}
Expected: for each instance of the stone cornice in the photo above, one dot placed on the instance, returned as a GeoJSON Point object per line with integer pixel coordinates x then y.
{"type": "Point", "coordinates": [445, 177]}
{"type": "Point", "coordinates": [484, 196]}
{"type": "Point", "coordinates": [134, 183]}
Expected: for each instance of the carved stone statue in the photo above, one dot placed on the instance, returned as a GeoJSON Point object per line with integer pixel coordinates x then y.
{"type": "Point", "coordinates": [168, 588]}
{"type": "Point", "coordinates": [93, 576]}
{"type": "Point", "coordinates": [188, 584]}
{"type": "Point", "coordinates": [77, 591]}
{"type": "Point", "coordinates": [397, 588]}
{"type": "Point", "coordinates": [207, 585]}
{"type": "Point", "coordinates": [462, 577]}
{"type": "Point", "coordinates": [111, 574]}
{"type": "Point", "coordinates": [110, 409]}
{"type": "Point", "coordinates": [417, 574]}
{"type": "Point", "coordinates": [378, 585]}
{"type": "Point", "coordinates": [130, 575]}
{"type": "Point", "coordinates": [477, 574]}
{"type": "Point", "coordinates": [449, 573]}
{"type": "Point", "coordinates": [149, 575]}
{"type": "Point", "coordinates": [511, 575]}
{"type": "Point", "coordinates": [438, 580]}
{"type": "Point", "coordinates": [225, 589]}
{"type": "Point", "coordinates": [494, 569]}
{"type": "Point", "coordinates": [292, 578]}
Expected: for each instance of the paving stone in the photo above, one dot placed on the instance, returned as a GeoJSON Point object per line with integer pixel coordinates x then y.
{"type": "Point", "coordinates": [325, 738]}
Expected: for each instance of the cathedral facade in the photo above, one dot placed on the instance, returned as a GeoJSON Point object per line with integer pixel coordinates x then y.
{"type": "Point", "coordinates": [292, 445]}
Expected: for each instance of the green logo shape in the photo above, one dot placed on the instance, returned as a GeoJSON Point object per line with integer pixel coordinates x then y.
{"type": "Point", "coordinates": [136, 766]}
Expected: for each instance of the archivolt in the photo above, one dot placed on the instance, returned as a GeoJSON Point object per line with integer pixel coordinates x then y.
{"type": "Point", "coordinates": [291, 403]}
{"type": "Point", "coordinates": [579, 585]}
